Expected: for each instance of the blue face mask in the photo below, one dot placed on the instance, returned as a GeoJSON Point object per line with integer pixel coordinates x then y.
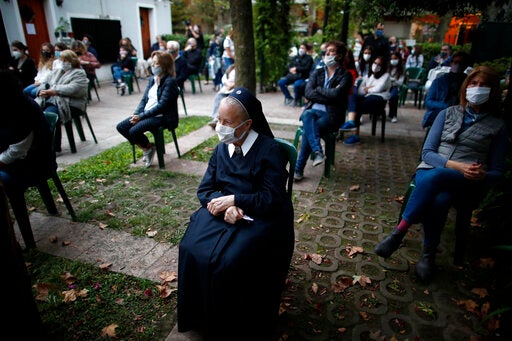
{"type": "Point", "coordinates": [379, 33]}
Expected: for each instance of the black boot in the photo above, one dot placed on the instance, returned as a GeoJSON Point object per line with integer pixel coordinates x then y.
{"type": "Point", "coordinates": [390, 244]}
{"type": "Point", "coordinates": [426, 266]}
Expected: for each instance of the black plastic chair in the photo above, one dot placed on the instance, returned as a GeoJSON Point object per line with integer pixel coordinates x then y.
{"type": "Point", "coordinates": [19, 205]}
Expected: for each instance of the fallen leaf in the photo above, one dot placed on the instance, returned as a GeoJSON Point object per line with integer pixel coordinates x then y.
{"type": "Point", "coordinates": [400, 199]}
{"type": "Point", "coordinates": [341, 285]}
{"type": "Point", "coordinates": [168, 276]}
{"type": "Point", "coordinates": [353, 250]}
{"type": "Point", "coordinates": [105, 266]}
{"type": "Point", "coordinates": [486, 307]}
{"type": "Point", "coordinates": [469, 305]}
{"type": "Point", "coordinates": [474, 222]}
{"type": "Point", "coordinates": [320, 190]}
{"type": "Point", "coordinates": [68, 278]}
{"type": "Point", "coordinates": [66, 243]}
{"type": "Point", "coordinates": [69, 296]}
{"type": "Point", "coordinates": [102, 225]}
{"type": "Point", "coordinates": [151, 233]}
{"type": "Point", "coordinates": [110, 213]}
{"type": "Point", "coordinates": [316, 258]}
{"type": "Point", "coordinates": [487, 263]}
{"type": "Point", "coordinates": [303, 217]}
{"type": "Point", "coordinates": [342, 330]}
{"type": "Point", "coordinates": [481, 292]}
{"type": "Point", "coordinates": [164, 290]}
{"type": "Point", "coordinates": [354, 188]}
{"type": "Point", "coordinates": [42, 289]}
{"type": "Point", "coordinates": [109, 330]}
{"type": "Point", "coordinates": [364, 315]}
{"type": "Point", "coordinates": [314, 288]}
{"type": "Point", "coordinates": [53, 239]}
{"type": "Point", "coordinates": [362, 280]}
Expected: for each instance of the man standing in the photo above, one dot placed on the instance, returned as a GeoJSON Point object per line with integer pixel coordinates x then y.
{"type": "Point", "coordinates": [180, 64]}
{"type": "Point", "coordinates": [378, 42]}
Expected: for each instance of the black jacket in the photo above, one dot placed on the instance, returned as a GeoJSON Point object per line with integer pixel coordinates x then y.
{"type": "Point", "coordinates": [335, 97]}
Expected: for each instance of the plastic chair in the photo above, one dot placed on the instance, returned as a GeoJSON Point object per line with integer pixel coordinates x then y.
{"type": "Point", "coordinates": [291, 154]}
{"type": "Point", "coordinates": [92, 85]}
{"type": "Point", "coordinates": [192, 79]}
{"type": "Point", "coordinates": [415, 78]}
{"type": "Point", "coordinates": [158, 135]}
{"type": "Point", "coordinates": [183, 100]}
{"type": "Point", "coordinates": [77, 115]}
{"type": "Point", "coordinates": [19, 205]}
{"type": "Point", "coordinates": [330, 148]}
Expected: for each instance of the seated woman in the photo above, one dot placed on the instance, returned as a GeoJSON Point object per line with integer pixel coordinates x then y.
{"type": "Point", "coordinates": [157, 108]}
{"type": "Point", "coordinates": [67, 89]}
{"type": "Point", "coordinates": [372, 95]}
{"type": "Point", "coordinates": [87, 60]}
{"type": "Point", "coordinates": [26, 155]}
{"type": "Point", "coordinates": [228, 84]}
{"type": "Point", "coordinates": [464, 153]}
{"type": "Point", "coordinates": [123, 66]}
{"type": "Point", "coordinates": [22, 63]}
{"type": "Point", "coordinates": [243, 229]}
{"type": "Point", "coordinates": [44, 70]}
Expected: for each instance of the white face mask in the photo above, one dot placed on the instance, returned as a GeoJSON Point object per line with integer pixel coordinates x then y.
{"type": "Point", "coordinates": [156, 70]}
{"type": "Point", "coordinates": [367, 56]}
{"type": "Point", "coordinates": [478, 95]}
{"type": "Point", "coordinates": [394, 62]}
{"type": "Point", "coordinates": [227, 134]}
{"type": "Point", "coordinates": [330, 60]}
{"type": "Point", "coordinates": [375, 68]}
{"type": "Point", "coordinates": [302, 52]}
{"type": "Point", "coordinates": [66, 66]}
{"type": "Point", "coordinates": [16, 54]}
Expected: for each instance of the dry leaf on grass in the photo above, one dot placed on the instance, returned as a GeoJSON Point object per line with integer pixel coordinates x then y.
{"type": "Point", "coordinates": [168, 276]}
{"type": "Point", "coordinates": [68, 278]}
{"type": "Point", "coordinates": [105, 266]}
{"type": "Point", "coordinates": [164, 290]}
{"type": "Point", "coordinates": [354, 188]}
{"type": "Point", "coordinates": [341, 285]}
{"type": "Point", "coordinates": [469, 305]}
{"type": "Point", "coordinates": [102, 225]}
{"type": "Point", "coordinates": [42, 289]}
{"type": "Point", "coordinates": [362, 280]}
{"type": "Point", "coordinates": [109, 330]}
{"type": "Point", "coordinates": [481, 292]}
{"type": "Point", "coordinates": [151, 233]}
{"type": "Point", "coordinates": [314, 257]}
{"type": "Point", "coordinates": [108, 212]}
{"type": "Point", "coordinates": [352, 251]}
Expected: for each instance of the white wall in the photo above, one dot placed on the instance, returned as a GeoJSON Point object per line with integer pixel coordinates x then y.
{"type": "Point", "coordinates": [127, 11]}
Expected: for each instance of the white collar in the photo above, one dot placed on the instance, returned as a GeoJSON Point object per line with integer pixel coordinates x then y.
{"type": "Point", "coordinates": [246, 146]}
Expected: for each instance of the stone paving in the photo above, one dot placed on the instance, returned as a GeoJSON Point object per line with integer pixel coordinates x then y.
{"type": "Point", "coordinates": [356, 207]}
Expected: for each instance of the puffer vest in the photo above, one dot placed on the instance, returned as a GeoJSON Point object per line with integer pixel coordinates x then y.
{"type": "Point", "coordinates": [471, 144]}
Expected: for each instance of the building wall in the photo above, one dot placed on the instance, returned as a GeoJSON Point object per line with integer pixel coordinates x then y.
{"type": "Point", "coordinates": [126, 11]}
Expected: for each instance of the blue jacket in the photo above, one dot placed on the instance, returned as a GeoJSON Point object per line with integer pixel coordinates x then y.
{"type": "Point", "coordinates": [167, 94]}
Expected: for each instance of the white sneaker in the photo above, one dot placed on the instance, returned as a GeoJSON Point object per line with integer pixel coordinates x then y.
{"type": "Point", "coordinates": [148, 156]}
{"type": "Point", "coordinates": [394, 120]}
{"type": "Point", "coordinates": [318, 159]}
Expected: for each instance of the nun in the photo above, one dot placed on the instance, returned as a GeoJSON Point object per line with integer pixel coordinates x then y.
{"type": "Point", "coordinates": [236, 251]}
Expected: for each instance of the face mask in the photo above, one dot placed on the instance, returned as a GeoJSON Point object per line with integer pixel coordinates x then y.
{"type": "Point", "coordinates": [366, 56]}
{"type": "Point", "coordinates": [123, 53]}
{"type": "Point", "coordinates": [66, 66]}
{"type": "Point", "coordinates": [302, 52]}
{"type": "Point", "coordinates": [379, 33]}
{"type": "Point", "coordinates": [16, 54]}
{"type": "Point", "coordinates": [156, 70]}
{"type": "Point", "coordinates": [394, 62]}
{"type": "Point", "coordinates": [375, 68]}
{"type": "Point", "coordinates": [478, 95]}
{"type": "Point", "coordinates": [400, 46]}
{"type": "Point", "coordinates": [85, 42]}
{"type": "Point", "coordinates": [330, 60]}
{"type": "Point", "coordinates": [443, 54]}
{"type": "Point", "coordinates": [227, 134]}
{"type": "Point", "coordinates": [57, 54]}
{"type": "Point", "coordinates": [162, 48]}
{"type": "Point", "coordinates": [46, 54]}
{"type": "Point", "coordinates": [412, 51]}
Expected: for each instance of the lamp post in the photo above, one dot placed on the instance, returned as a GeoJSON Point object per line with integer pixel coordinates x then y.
{"type": "Point", "coordinates": [344, 24]}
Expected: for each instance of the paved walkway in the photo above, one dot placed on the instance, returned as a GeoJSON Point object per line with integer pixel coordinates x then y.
{"type": "Point", "coordinates": [356, 217]}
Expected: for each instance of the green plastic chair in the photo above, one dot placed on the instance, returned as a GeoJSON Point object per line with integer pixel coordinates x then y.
{"type": "Point", "coordinates": [415, 78]}
{"type": "Point", "coordinates": [291, 153]}
{"type": "Point", "coordinates": [330, 149]}
{"type": "Point", "coordinates": [158, 135]}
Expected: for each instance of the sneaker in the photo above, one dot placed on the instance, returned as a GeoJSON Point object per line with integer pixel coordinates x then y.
{"type": "Point", "coordinates": [297, 176]}
{"type": "Point", "coordinates": [288, 101]}
{"type": "Point", "coordinates": [361, 120]}
{"type": "Point", "coordinates": [348, 126]}
{"type": "Point", "coordinates": [352, 140]}
{"type": "Point", "coordinates": [394, 120]}
{"type": "Point", "coordinates": [123, 89]}
{"type": "Point", "coordinates": [318, 159]}
{"type": "Point", "coordinates": [149, 155]}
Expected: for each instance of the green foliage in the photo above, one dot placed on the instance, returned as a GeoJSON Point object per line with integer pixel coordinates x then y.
{"type": "Point", "coordinates": [272, 39]}
{"type": "Point", "coordinates": [131, 303]}
{"type": "Point", "coordinates": [499, 65]}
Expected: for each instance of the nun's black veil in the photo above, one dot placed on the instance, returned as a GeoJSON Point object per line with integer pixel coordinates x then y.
{"type": "Point", "coordinates": [253, 107]}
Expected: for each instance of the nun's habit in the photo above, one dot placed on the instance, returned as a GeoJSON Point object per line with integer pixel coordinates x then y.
{"type": "Point", "coordinates": [230, 277]}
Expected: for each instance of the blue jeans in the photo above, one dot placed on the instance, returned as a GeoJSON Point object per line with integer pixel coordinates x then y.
{"type": "Point", "coordinates": [135, 133]}
{"type": "Point", "coordinates": [393, 101]}
{"type": "Point", "coordinates": [367, 104]}
{"type": "Point", "coordinates": [436, 191]}
{"type": "Point", "coordinates": [31, 90]}
{"type": "Point", "coordinates": [315, 123]}
{"type": "Point", "coordinates": [118, 73]}
{"type": "Point", "coordinates": [283, 85]}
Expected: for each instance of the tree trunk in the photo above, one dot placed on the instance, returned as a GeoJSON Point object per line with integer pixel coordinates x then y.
{"type": "Point", "coordinates": [243, 37]}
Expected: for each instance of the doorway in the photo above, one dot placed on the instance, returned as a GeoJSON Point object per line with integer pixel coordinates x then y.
{"type": "Point", "coordinates": [33, 20]}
